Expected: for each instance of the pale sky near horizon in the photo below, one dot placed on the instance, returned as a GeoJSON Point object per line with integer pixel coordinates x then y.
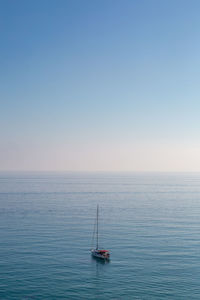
{"type": "Point", "coordinates": [109, 85]}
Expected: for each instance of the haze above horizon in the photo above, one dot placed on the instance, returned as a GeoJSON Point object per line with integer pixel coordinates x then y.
{"type": "Point", "coordinates": [100, 85]}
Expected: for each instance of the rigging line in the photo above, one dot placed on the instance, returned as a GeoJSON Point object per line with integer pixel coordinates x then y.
{"type": "Point", "coordinates": [94, 230]}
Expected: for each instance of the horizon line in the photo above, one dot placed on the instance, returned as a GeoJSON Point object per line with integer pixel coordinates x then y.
{"type": "Point", "coordinates": [97, 171]}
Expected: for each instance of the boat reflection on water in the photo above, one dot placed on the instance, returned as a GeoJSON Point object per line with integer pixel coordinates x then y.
{"type": "Point", "coordinates": [99, 260]}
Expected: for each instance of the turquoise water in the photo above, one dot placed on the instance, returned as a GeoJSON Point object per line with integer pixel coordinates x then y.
{"type": "Point", "coordinates": [149, 222]}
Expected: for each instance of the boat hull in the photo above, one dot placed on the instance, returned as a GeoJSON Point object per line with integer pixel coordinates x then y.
{"type": "Point", "coordinates": [104, 256]}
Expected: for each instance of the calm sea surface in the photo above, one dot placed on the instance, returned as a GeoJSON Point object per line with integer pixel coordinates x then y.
{"type": "Point", "coordinates": [149, 222]}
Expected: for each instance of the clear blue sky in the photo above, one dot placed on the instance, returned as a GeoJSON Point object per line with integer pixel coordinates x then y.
{"type": "Point", "coordinates": [100, 85]}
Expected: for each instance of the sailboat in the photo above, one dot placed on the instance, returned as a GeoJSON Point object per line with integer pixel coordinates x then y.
{"type": "Point", "coordinates": [99, 253]}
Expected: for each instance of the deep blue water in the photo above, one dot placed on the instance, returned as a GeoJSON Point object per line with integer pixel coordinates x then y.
{"type": "Point", "coordinates": [149, 222]}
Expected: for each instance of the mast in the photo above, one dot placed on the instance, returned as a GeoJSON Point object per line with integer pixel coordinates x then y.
{"type": "Point", "coordinates": [97, 226]}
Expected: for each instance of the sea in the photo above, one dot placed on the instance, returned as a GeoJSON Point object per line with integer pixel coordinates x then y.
{"type": "Point", "coordinates": [150, 222]}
